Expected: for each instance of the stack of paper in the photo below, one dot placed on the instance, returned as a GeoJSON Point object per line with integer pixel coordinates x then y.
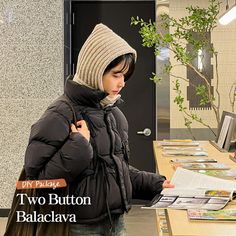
{"type": "Point", "coordinates": [185, 147]}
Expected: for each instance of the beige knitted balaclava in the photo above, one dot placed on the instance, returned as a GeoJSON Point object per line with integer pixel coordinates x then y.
{"type": "Point", "coordinates": [99, 50]}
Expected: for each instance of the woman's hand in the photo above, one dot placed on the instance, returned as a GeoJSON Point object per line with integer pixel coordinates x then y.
{"type": "Point", "coordinates": [81, 128]}
{"type": "Point", "coordinates": [167, 184]}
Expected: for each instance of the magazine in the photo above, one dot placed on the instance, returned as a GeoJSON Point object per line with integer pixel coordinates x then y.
{"type": "Point", "coordinates": [222, 215]}
{"type": "Point", "coordinates": [188, 143]}
{"type": "Point", "coordinates": [194, 191]}
{"type": "Point", "coordinates": [177, 202]}
{"type": "Point", "coordinates": [219, 173]}
{"type": "Point", "coordinates": [193, 160]}
{"type": "Point", "coordinates": [178, 140]}
{"type": "Point", "coordinates": [174, 148]}
{"type": "Point", "coordinates": [183, 153]}
{"type": "Point", "coordinates": [201, 166]}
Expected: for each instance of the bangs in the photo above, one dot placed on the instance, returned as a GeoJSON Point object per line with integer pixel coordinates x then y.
{"type": "Point", "coordinates": [128, 66]}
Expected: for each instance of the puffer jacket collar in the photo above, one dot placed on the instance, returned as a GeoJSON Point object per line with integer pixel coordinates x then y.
{"type": "Point", "coordinates": [83, 95]}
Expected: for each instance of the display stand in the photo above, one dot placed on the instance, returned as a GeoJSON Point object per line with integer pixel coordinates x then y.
{"type": "Point", "coordinates": [225, 141]}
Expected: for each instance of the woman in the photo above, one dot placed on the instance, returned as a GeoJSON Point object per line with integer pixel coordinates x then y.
{"type": "Point", "coordinates": [92, 152]}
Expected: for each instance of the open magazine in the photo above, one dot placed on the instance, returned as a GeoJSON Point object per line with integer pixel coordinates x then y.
{"type": "Point", "coordinates": [195, 191]}
{"type": "Point", "coordinates": [225, 174]}
{"type": "Point", "coordinates": [201, 166]}
{"type": "Point", "coordinates": [221, 215]}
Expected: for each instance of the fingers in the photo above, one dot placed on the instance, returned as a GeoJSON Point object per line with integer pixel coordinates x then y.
{"type": "Point", "coordinates": [81, 123]}
{"type": "Point", "coordinates": [73, 128]}
{"type": "Point", "coordinates": [82, 128]}
{"type": "Point", "coordinates": [167, 184]}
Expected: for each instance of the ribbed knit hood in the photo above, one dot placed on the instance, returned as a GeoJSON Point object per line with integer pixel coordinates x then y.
{"type": "Point", "coordinates": [99, 50]}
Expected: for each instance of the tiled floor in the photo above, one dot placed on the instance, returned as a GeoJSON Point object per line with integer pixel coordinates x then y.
{"type": "Point", "coordinates": [139, 222]}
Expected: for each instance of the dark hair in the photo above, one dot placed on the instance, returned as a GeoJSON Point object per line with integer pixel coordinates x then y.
{"type": "Point", "coordinates": [129, 62]}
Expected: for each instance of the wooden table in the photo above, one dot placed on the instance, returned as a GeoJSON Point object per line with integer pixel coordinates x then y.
{"type": "Point", "coordinates": [177, 220]}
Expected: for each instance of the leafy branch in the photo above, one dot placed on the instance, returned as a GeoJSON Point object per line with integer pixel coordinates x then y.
{"type": "Point", "coordinates": [188, 116]}
{"type": "Point", "coordinates": [193, 30]}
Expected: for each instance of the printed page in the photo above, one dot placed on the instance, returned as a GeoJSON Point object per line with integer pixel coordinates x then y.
{"type": "Point", "coordinates": [219, 173]}
{"type": "Point", "coordinates": [171, 143]}
{"type": "Point", "coordinates": [178, 140]}
{"type": "Point", "coordinates": [198, 214]}
{"type": "Point", "coordinates": [178, 202]}
{"type": "Point", "coordinates": [201, 166]}
{"type": "Point", "coordinates": [187, 179]}
{"type": "Point", "coordinates": [183, 153]}
{"type": "Point", "coordinates": [193, 149]}
{"type": "Point", "coordinates": [184, 192]}
{"type": "Point", "coordinates": [193, 160]}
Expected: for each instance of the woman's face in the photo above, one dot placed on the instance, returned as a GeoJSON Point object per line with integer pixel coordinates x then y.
{"type": "Point", "coordinates": [114, 80]}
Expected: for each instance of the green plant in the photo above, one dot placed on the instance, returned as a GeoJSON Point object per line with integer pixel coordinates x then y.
{"type": "Point", "coordinates": [192, 30]}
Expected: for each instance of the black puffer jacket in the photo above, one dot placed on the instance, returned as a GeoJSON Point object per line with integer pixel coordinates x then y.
{"type": "Point", "coordinates": [98, 169]}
